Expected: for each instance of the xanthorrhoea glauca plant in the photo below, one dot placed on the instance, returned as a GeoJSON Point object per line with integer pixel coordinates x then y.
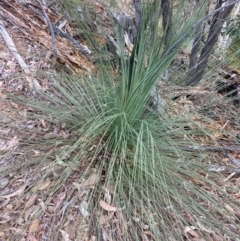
{"type": "Point", "coordinates": [129, 148]}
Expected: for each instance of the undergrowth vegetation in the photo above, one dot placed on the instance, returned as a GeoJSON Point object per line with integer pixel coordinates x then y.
{"type": "Point", "coordinates": [132, 150]}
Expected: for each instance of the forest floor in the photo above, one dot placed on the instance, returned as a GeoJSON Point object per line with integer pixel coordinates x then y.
{"type": "Point", "coordinates": [32, 40]}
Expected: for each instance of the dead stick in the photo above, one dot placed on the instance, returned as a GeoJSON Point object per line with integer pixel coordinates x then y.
{"type": "Point", "coordinates": [8, 40]}
{"type": "Point", "coordinates": [83, 48]}
{"type": "Point", "coordinates": [51, 30]}
{"type": "Point", "coordinates": [211, 148]}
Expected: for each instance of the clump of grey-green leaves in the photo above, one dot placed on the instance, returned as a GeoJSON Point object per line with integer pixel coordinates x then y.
{"type": "Point", "coordinates": [133, 148]}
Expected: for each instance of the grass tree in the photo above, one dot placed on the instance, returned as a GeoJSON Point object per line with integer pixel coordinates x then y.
{"type": "Point", "coordinates": [127, 150]}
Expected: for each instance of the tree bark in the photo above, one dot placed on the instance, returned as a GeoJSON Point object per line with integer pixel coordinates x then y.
{"type": "Point", "coordinates": [166, 18]}
{"type": "Point", "coordinates": [215, 29]}
{"type": "Point", "coordinates": [199, 34]}
{"type": "Point", "coordinates": [167, 14]}
{"type": "Point", "coordinates": [195, 49]}
{"type": "Point", "coordinates": [138, 13]}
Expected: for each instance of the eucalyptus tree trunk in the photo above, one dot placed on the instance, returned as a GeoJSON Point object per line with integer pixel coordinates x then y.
{"type": "Point", "coordinates": [138, 13]}
{"type": "Point", "coordinates": [166, 10]}
{"type": "Point", "coordinates": [225, 39]}
{"type": "Point", "coordinates": [199, 34]}
{"type": "Point", "coordinates": [195, 49]}
{"type": "Point", "coordinates": [196, 72]}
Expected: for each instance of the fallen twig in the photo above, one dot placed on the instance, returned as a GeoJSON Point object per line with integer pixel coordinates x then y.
{"type": "Point", "coordinates": [234, 160]}
{"type": "Point", "coordinates": [114, 43]}
{"type": "Point", "coordinates": [83, 48]}
{"type": "Point", "coordinates": [224, 169]}
{"type": "Point", "coordinates": [50, 28]}
{"type": "Point", "coordinates": [211, 148]}
{"type": "Point", "coordinates": [9, 42]}
{"type": "Point", "coordinates": [230, 176]}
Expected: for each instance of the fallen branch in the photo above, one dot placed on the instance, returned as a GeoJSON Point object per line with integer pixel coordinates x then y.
{"type": "Point", "coordinates": [9, 42]}
{"type": "Point", "coordinates": [50, 29]}
{"type": "Point", "coordinates": [227, 170]}
{"type": "Point", "coordinates": [83, 48]}
{"type": "Point", "coordinates": [234, 160]}
{"type": "Point", "coordinates": [211, 148]}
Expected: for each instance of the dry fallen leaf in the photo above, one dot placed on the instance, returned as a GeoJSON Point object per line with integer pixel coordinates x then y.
{"type": "Point", "coordinates": [107, 195]}
{"type": "Point", "coordinates": [191, 231]}
{"type": "Point", "coordinates": [60, 162]}
{"type": "Point", "coordinates": [149, 233]}
{"type": "Point", "coordinates": [32, 238]}
{"type": "Point", "coordinates": [31, 201]}
{"type": "Point", "coordinates": [51, 209]}
{"type": "Point", "coordinates": [28, 213]}
{"type": "Point", "coordinates": [34, 226]}
{"type": "Point", "coordinates": [229, 208]}
{"type": "Point", "coordinates": [87, 183]}
{"type": "Point", "coordinates": [11, 65]}
{"type": "Point", "coordinates": [18, 231]}
{"type": "Point", "coordinates": [107, 207]}
{"type": "Point", "coordinates": [65, 235]}
{"type": "Point", "coordinates": [18, 192]}
{"type": "Point", "coordinates": [217, 237]}
{"type": "Point", "coordinates": [93, 238]}
{"type": "Point", "coordinates": [90, 181]}
{"type": "Point", "coordinates": [9, 206]}
{"type": "Point", "coordinates": [83, 209]}
{"type": "Point", "coordinates": [104, 219]}
{"type": "Point", "coordinates": [36, 152]}
{"type": "Point", "coordinates": [201, 227]}
{"type": "Point", "coordinates": [12, 143]}
{"type": "Point", "coordinates": [43, 185]}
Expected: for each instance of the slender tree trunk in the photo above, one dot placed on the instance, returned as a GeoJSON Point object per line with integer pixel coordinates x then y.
{"type": "Point", "coordinates": [199, 34]}
{"type": "Point", "coordinates": [195, 49]}
{"type": "Point", "coordinates": [167, 13]}
{"type": "Point", "coordinates": [138, 13]}
{"type": "Point", "coordinates": [215, 29]}
{"type": "Point", "coordinates": [226, 40]}
{"type": "Point", "coordinates": [166, 10]}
